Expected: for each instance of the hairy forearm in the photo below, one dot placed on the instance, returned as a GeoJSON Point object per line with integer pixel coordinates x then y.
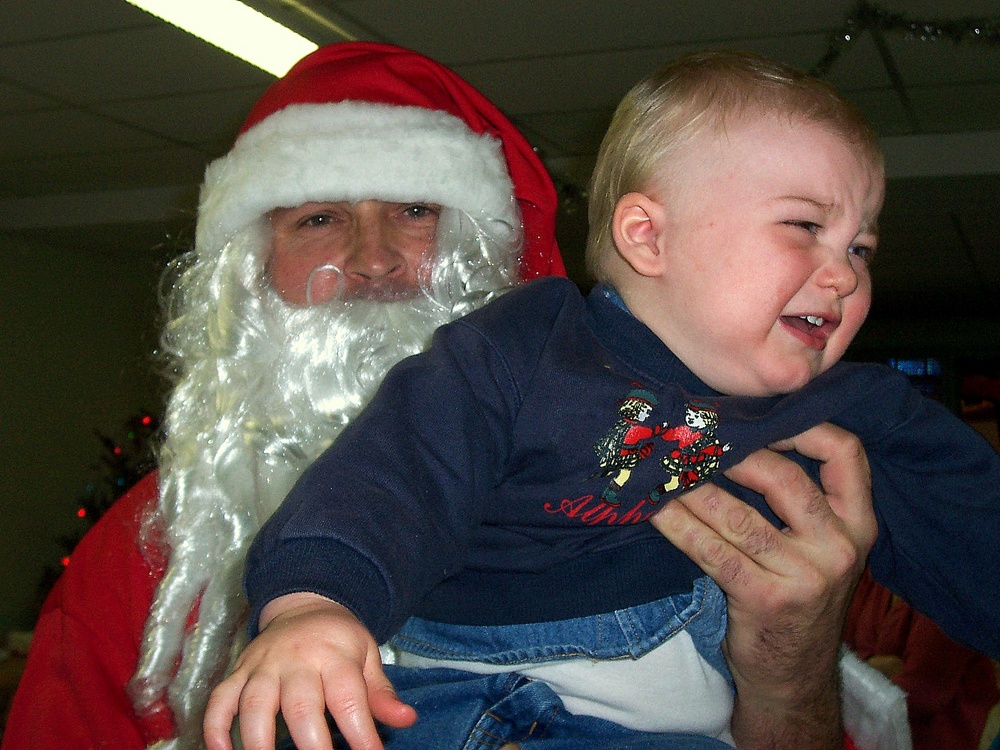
{"type": "Point", "coordinates": [804, 715]}
{"type": "Point", "coordinates": [787, 590]}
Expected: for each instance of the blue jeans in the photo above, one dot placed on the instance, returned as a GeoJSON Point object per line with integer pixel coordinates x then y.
{"type": "Point", "coordinates": [459, 709]}
{"type": "Point", "coordinates": [512, 709]}
{"type": "Point", "coordinates": [475, 712]}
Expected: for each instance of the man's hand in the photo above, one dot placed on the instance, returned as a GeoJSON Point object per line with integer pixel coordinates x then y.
{"type": "Point", "coordinates": [788, 590]}
{"type": "Point", "coordinates": [312, 654]}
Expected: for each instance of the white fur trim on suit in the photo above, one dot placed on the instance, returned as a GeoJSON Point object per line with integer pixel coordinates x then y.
{"type": "Point", "coordinates": [873, 707]}
{"type": "Point", "coordinates": [353, 151]}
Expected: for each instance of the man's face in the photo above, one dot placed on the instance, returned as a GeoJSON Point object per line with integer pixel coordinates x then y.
{"type": "Point", "coordinates": [371, 249]}
{"type": "Point", "coordinates": [769, 228]}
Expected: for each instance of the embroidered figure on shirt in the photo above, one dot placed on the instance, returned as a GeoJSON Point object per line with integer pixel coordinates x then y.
{"type": "Point", "coordinates": [698, 454]}
{"type": "Point", "coordinates": [626, 443]}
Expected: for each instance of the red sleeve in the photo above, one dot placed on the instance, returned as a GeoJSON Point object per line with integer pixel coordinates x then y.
{"type": "Point", "coordinates": [949, 689]}
{"type": "Point", "coordinates": [934, 667]}
{"type": "Point", "coordinates": [864, 630]}
{"type": "Point", "coordinates": [86, 643]}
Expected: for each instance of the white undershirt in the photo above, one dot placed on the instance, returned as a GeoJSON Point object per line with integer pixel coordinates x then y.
{"type": "Point", "coordinates": [670, 689]}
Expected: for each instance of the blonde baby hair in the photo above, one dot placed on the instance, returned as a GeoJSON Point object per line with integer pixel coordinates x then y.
{"type": "Point", "coordinates": [684, 98]}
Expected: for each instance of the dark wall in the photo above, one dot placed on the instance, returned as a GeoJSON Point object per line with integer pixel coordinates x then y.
{"type": "Point", "coordinates": [77, 333]}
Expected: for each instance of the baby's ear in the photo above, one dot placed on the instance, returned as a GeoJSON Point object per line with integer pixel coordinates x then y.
{"type": "Point", "coordinates": [637, 225]}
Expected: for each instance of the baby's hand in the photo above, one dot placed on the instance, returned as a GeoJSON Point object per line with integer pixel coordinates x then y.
{"type": "Point", "coordinates": [311, 654]}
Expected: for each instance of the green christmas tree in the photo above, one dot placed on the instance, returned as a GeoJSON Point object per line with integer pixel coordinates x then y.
{"type": "Point", "coordinates": [121, 464]}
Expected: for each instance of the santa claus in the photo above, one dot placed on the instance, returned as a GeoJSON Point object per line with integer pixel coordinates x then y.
{"type": "Point", "coordinates": [371, 196]}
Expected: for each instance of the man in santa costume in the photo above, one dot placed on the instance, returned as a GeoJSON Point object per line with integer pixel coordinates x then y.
{"type": "Point", "coordinates": [371, 196]}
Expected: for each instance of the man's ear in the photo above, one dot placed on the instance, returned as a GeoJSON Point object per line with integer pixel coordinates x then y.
{"type": "Point", "coordinates": [636, 227]}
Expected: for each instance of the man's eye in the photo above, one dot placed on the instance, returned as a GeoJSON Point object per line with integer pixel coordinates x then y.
{"type": "Point", "coordinates": [865, 252]}
{"type": "Point", "coordinates": [316, 220]}
{"type": "Point", "coordinates": [420, 210]}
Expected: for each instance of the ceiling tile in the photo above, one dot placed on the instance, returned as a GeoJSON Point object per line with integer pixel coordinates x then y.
{"type": "Point", "coordinates": [66, 132]}
{"type": "Point", "coordinates": [22, 21]}
{"type": "Point", "coordinates": [934, 62]}
{"type": "Point", "coordinates": [957, 107]}
{"type": "Point", "coordinates": [116, 170]}
{"type": "Point", "coordinates": [147, 62]}
{"type": "Point", "coordinates": [858, 66]}
{"type": "Point", "coordinates": [16, 99]}
{"type": "Point", "coordinates": [627, 24]}
{"type": "Point", "coordinates": [567, 133]}
{"type": "Point", "coordinates": [939, 9]}
{"type": "Point", "coordinates": [210, 117]}
{"type": "Point", "coordinates": [885, 110]}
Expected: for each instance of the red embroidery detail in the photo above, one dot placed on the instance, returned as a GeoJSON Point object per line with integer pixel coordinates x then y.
{"type": "Point", "coordinates": [594, 512]}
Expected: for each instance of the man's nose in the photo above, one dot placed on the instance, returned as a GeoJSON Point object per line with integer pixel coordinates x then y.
{"type": "Point", "coordinates": [373, 255]}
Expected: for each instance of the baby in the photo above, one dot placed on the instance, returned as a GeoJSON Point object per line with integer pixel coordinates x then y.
{"type": "Point", "coordinates": [486, 514]}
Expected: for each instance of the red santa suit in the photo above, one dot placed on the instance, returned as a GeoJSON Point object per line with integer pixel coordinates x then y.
{"type": "Point", "coordinates": [86, 642]}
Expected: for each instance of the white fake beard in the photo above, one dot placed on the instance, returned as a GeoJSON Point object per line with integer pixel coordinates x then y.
{"type": "Point", "coordinates": [334, 358]}
{"type": "Point", "coordinates": [242, 428]}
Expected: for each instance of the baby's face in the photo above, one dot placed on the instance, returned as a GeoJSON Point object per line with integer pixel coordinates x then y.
{"type": "Point", "coordinates": [768, 233]}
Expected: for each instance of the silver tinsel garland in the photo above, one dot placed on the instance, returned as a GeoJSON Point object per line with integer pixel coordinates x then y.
{"type": "Point", "coordinates": [869, 17]}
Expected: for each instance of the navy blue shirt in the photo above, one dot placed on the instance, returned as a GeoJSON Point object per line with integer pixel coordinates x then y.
{"type": "Point", "coordinates": [505, 476]}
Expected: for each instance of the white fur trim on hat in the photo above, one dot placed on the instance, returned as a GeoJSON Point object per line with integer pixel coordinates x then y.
{"type": "Point", "coordinates": [353, 151]}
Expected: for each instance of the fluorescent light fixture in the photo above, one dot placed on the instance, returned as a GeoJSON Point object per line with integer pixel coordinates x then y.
{"type": "Point", "coordinates": [236, 28]}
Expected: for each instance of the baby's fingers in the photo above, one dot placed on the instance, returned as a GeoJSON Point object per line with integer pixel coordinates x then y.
{"type": "Point", "coordinates": [257, 703]}
{"type": "Point", "coordinates": [347, 698]}
{"type": "Point", "coordinates": [304, 711]}
{"type": "Point", "coordinates": [386, 706]}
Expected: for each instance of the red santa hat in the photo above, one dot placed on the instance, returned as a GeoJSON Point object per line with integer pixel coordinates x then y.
{"type": "Point", "coordinates": [358, 121]}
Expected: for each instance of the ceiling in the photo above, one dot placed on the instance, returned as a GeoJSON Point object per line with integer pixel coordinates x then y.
{"type": "Point", "coordinates": [108, 116]}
